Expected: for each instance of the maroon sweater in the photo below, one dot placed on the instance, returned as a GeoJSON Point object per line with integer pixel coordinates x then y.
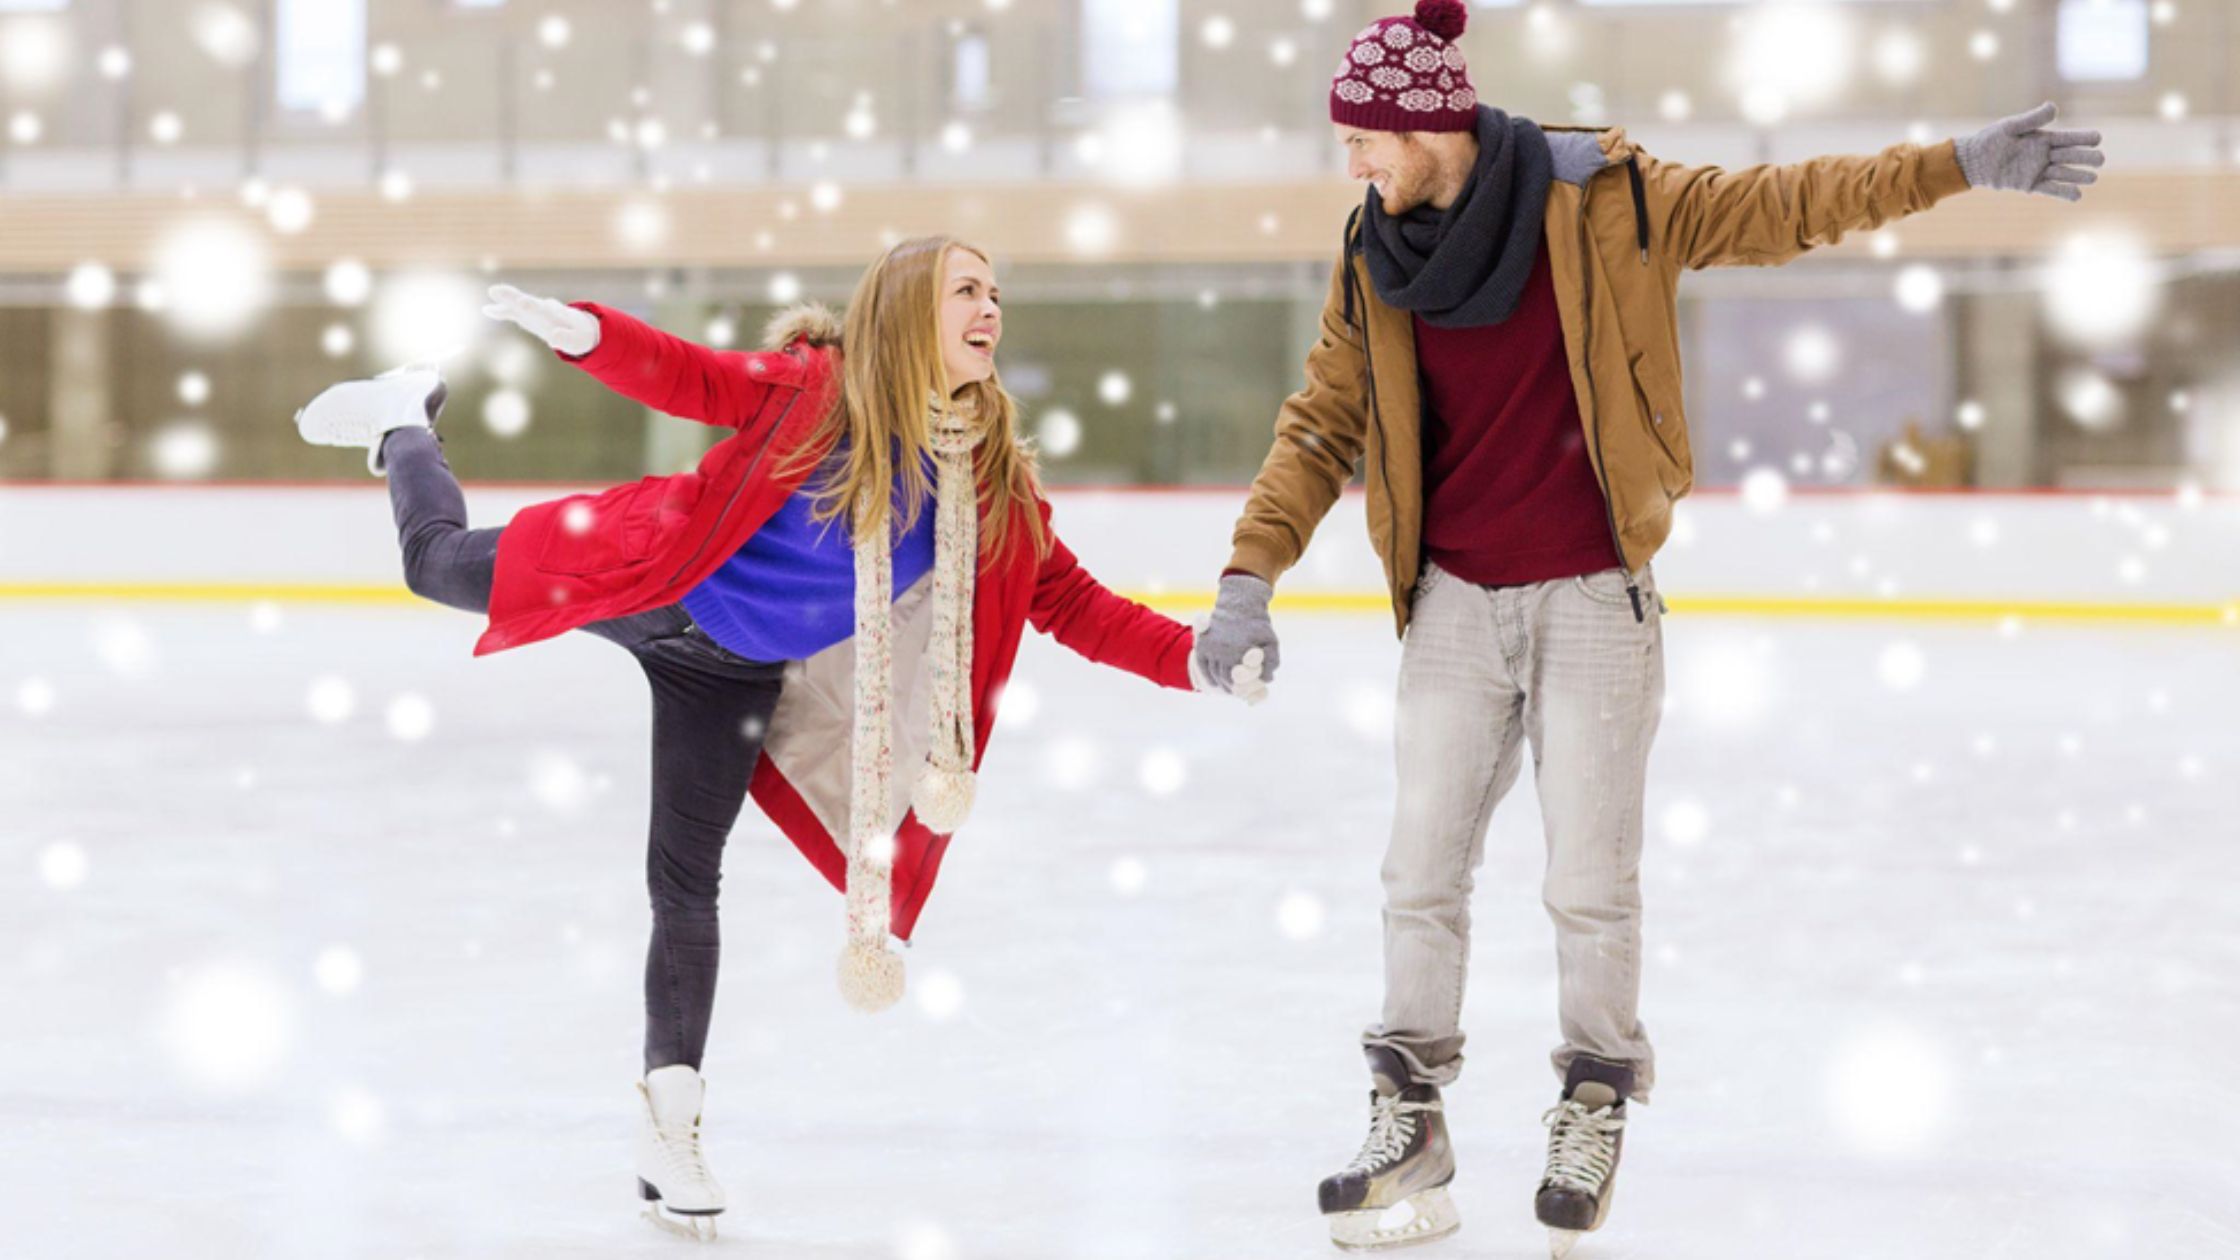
{"type": "Point", "coordinates": [1509, 494]}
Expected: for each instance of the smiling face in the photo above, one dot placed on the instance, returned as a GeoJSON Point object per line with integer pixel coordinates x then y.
{"type": "Point", "coordinates": [971, 318]}
{"type": "Point", "coordinates": [1404, 171]}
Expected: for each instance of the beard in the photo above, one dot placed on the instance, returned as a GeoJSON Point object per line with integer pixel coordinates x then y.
{"type": "Point", "coordinates": [1408, 182]}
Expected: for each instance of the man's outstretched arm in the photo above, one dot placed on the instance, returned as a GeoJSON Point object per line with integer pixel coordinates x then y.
{"type": "Point", "coordinates": [1765, 215]}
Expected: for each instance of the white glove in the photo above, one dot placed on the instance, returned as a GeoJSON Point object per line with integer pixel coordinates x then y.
{"type": "Point", "coordinates": [1245, 680]}
{"type": "Point", "coordinates": [557, 324]}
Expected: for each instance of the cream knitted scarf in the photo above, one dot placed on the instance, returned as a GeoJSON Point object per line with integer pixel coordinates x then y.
{"type": "Point", "coordinates": [871, 973]}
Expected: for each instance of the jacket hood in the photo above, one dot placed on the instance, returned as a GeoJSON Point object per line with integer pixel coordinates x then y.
{"type": "Point", "coordinates": [811, 321]}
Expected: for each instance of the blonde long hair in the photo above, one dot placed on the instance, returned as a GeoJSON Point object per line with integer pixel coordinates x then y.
{"type": "Point", "coordinates": [890, 365]}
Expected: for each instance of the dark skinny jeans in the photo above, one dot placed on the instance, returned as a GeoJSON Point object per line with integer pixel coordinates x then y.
{"type": "Point", "coordinates": [710, 710]}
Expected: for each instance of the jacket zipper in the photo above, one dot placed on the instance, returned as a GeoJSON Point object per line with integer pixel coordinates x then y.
{"type": "Point", "coordinates": [1594, 411]}
{"type": "Point", "coordinates": [1376, 420]}
{"type": "Point", "coordinates": [738, 489]}
{"type": "Point", "coordinates": [1369, 365]}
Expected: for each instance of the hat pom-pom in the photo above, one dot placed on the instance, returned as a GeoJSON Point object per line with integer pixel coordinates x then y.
{"type": "Point", "coordinates": [870, 976]}
{"type": "Point", "coordinates": [1443, 18]}
{"type": "Point", "coordinates": [942, 798]}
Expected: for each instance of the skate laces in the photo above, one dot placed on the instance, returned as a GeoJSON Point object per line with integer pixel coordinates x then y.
{"type": "Point", "coordinates": [1392, 1125]}
{"type": "Point", "coordinates": [1581, 1145]}
{"type": "Point", "coordinates": [680, 1149]}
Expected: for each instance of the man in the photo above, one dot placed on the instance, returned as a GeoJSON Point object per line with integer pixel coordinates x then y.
{"type": "Point", "coordinates": [1500, 346]}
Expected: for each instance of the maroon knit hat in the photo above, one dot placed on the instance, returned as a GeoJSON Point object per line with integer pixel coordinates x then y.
{"type": "Point", "coordinates": [1405, 74]}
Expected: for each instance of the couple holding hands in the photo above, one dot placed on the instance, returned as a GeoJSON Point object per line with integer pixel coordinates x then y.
{"type": "Point", "coordinates": [827, 608]}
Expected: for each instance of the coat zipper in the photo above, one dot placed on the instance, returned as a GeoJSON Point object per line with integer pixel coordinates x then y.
{"type": "Point", "coordinates": [737, 490]}
{"type": "Point", "coordinates": [1594, 411]}
{"type": "Point", "coordinates": [1369, 366]}
{"type": "Point", "coordinates": [1376, 420]}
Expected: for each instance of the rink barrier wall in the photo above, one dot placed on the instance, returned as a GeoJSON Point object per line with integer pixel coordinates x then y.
{"type": "Point", "coordinates": [2059, 556]}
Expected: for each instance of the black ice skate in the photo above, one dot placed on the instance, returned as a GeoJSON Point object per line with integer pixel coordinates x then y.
{"type": "Point", "coordinates": [1585, 1133]}
{"type": "Point", "coordinates": [1394, 1193]}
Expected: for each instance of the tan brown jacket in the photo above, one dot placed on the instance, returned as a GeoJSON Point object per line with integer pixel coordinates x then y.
{"type": "Point", "coordinates": [1618, 239]}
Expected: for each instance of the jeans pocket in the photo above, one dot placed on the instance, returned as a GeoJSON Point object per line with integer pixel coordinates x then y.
{"type": "Point", "coordinates": [1609, 587]}
{"type": "Point", "coordinates": [1605, 587]}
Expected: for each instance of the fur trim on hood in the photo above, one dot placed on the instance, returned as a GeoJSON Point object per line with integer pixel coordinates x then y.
{"type": "Point", "coordinates": [812, 320]}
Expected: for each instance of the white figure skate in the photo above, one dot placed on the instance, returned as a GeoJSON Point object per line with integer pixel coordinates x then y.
{"type": "Point", "coordinates": [681, 1195]}
{"type": "Point", "coordinates": [361, 413]}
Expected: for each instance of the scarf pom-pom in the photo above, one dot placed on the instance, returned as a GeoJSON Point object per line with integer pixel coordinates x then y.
{"type": "Point", "coordinates": [870, 976]}
{"type": "Point", "coordinates": [943, 798]}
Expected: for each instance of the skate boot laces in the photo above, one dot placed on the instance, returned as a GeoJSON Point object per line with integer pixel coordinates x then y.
{"type": "Point", "coordinates": [1581, 1145]}
{"type": "Point", "coordinates": [680, 1150]}
{"type": "Point", "coordinates": [1392, 1125]}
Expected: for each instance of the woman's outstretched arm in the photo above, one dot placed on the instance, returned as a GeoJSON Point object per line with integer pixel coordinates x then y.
{"type": "Point", "coordinates": [645, 364]}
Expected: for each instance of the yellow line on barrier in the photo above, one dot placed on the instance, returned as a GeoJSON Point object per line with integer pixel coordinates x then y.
{"type": "Point", "coordinates": [207, 592]}
{"type": "Point", "coordinates": [1835, 607]}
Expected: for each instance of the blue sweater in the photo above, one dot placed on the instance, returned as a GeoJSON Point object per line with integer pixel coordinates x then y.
{"type": "Point", "coordinates": [789, 592]}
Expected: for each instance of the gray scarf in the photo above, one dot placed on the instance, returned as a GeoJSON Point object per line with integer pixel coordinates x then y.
{"type": "Point", "coordinates": [1465, 266]}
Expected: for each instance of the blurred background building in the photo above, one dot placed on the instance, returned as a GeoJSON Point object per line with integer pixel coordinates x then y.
{"type": "Point", "coordinates": [209, 209]}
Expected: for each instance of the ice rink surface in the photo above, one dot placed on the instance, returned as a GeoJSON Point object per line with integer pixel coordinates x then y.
{"type": "Point", "coordinates": [321, 938]}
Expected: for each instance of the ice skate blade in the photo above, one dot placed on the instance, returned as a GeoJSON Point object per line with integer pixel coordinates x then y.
{"type": "Point", "coordinates": [696, 1228]}
{"type": "Point", "coordinates": [1561, 1241]}
{"type": "Point", "coordinates": [1425, 1216]}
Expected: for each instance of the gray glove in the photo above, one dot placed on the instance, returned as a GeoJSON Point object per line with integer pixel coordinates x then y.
{"type": "Point", "coordinates": [1239, 625]}
{"type": "Point", "coordinates": [2020, 155]}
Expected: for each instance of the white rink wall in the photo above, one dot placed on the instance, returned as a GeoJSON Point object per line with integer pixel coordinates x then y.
{"type": "Point", "coordinates": [2104, 549]}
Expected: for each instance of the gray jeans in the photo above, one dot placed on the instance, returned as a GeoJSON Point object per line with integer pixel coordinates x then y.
{"type": "Point", "coordinates": [1563, 666]}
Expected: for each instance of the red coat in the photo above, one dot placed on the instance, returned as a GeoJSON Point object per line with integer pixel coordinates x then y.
{"type": "Point", "coordinates": [636, 547]}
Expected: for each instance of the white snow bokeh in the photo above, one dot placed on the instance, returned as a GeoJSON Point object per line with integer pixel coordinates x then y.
{"type": "Point", "coordinates": [125, 646]}
{"type": "Point", "coordinates": [216, 276]}
{"type": "Point", "coordinates": [939, 994]}
{"type": "Point", "coordinates": [331, 699]}
{"type": "Point", "coordinates": [410, 717]}
{"type": "Point", "coordinates": [1790, 58]}
{"type": "Point", "coordinates": [2102, 288]}
{"type": "Point", "coordinates": [1163, 772]}
{"type": "Point", "coordinates": [1073, 763]}
{"type": "Point", "coordinates": [63, 865]}
{"type": "Point", "coordinates": [506, 412]}
{"type": "Point", "coordinates": [1059, 433]}
{"type": "Point", "coordinates": [426, 316]}
{"type": "Point", "coordinates": [1128, 875]}
{"type": "Point", "coordinates": [184, 450]}
{"type": "Point", "coordinates": [1901, 666]}
{"type": "Point", "coordinates": [348, 282]}
{"type": "Point", "coordinates": [338, 969]}
{"type": "Point", "coordinates": [558, 782]}
{"type": "Point", "coordinates": [357, 1116]}
{"type": "Point", "coordinates": [1686, 822]}
{"type": "Point", "coordinates": [1888, 1089]}
{"type": "Point", "coordinates": [227, 1025]}
{"type": "Point", "coordinates": [90, 286]}
{"type": "Point", "coordinates": [1300, 915]}
{"type": "Point", "coordinates": [1812, 354]}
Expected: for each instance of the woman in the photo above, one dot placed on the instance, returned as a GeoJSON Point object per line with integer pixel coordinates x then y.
{"type": "Point", "coordinates": [826, 609]}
